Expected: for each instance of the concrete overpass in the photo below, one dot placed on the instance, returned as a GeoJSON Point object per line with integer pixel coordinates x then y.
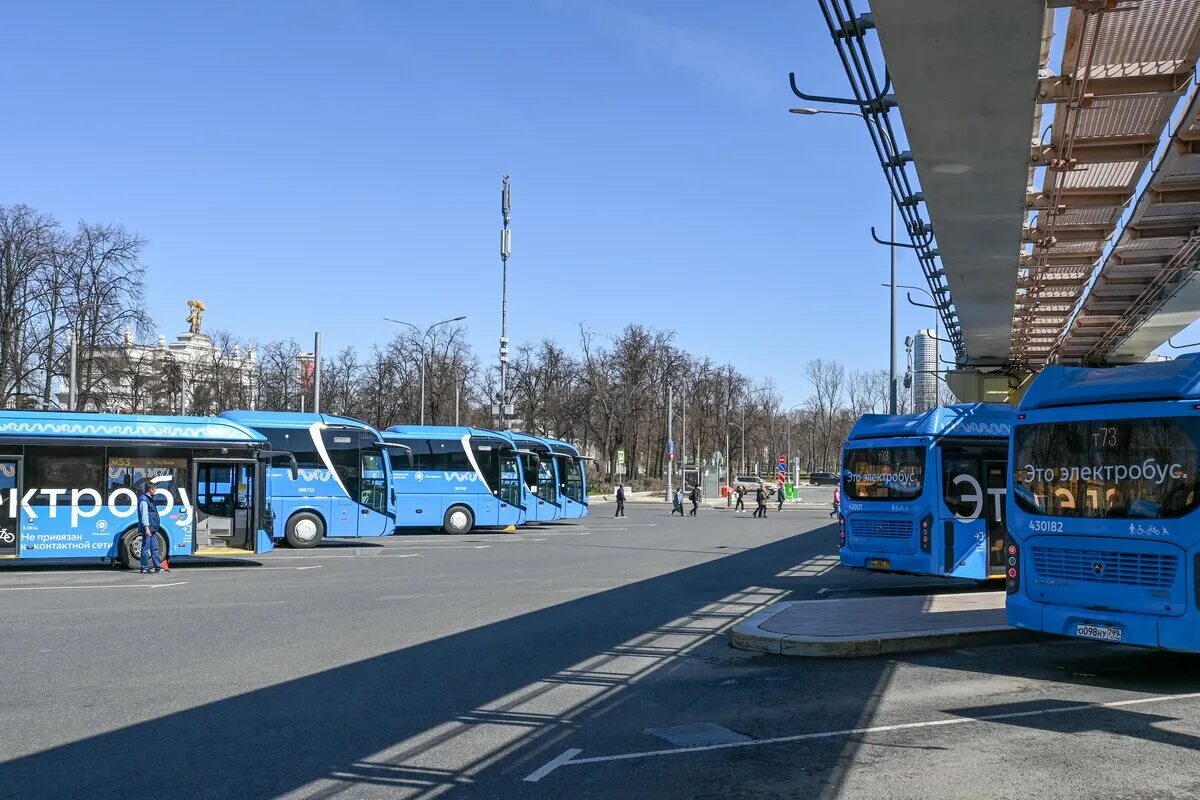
{"type": "Point", "coordinates": [1064, 197]}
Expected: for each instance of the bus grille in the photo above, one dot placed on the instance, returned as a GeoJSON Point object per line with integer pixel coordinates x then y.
{"type": "Point", "coordinates": [1105, 566]}
{"type": "Point", "coordinates": [881, 528]}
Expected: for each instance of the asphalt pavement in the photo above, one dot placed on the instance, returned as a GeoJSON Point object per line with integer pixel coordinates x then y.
{"type": "Point", "coordinates": [573, 660]}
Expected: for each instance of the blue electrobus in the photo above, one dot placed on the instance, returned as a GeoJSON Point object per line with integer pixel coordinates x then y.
{"type": "Point", "coordinates": [457, 478]}
{"type": "Point", "coordinates": [1104, 534]}
{"type": "Point", "coordinates": [924, 493]}
{"type": "Point", "coordinates": [343, 482]}
{"type": "Point", "coordinates": [69, 483]}
{"type": "Point", "coordinates": [570, 471]}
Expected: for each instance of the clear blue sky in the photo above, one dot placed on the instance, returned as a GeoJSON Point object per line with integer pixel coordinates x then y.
{"type": "Point", "coordinates": [322, 164]}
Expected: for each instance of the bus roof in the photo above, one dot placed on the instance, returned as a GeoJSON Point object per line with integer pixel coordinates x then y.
{"type": "Point", "coordinates": [144, 427]}
{"type": "Point", "coordinates": [561, 447]}
{"type": "Point", "coordinates": [1075, 386]}
{"type": "Point", "coordinates": [965, 419]}
{"type": "Point", "coordinates": [440, 432]}
{"type": "Point", "coordinates": [292, 419]}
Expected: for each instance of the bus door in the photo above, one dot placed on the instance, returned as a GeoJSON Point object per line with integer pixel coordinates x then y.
{"type": "Point", "coordinates": [10, 523]}
{"type": "Point", "coordinates": [374, 518]}
{"type": "Point", "coordinates": [996, 485]}
{"type": "Point", "coordinates": [225, 494]}
{"type": "Point", "coordinates": [512, 509]}
{"type": "Point", "coordinates": [572, 491]}
{"type": "Point", "coordinates": [964, 531]}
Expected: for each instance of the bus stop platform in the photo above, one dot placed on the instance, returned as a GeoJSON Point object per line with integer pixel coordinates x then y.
{"type": "Point", "coordinates": [872, 626]}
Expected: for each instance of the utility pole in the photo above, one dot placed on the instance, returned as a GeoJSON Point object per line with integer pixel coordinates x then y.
{"type": "Point", "coordinates": [505, 248]}
{"type": "Point", "coordinates": [892, 348]}
{"type": "Point", "coordinates": [670, 440]}
{"type": "Point", "coordinates": [317, 372]}
{"type": "Point", "coordinates": [72, 397]}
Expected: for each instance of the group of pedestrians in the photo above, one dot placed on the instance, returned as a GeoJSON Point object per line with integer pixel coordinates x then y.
{"type": "Point", "coordinates": [677, 501]}
{"type": "Point", "coordinates": [760, 498]}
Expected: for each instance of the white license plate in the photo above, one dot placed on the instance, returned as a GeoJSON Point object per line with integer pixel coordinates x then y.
{"type": "Point", "coordinates": [1102, 632]}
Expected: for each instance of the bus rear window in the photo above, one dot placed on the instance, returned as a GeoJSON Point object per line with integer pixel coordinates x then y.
{"type": "Point", "coordinates": [883, 473]}
{"type": "Point", "coordinates": [1119, 469]}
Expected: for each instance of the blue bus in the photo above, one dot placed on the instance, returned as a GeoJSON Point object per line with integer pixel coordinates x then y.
{"type": "Point", "coordinates": [69, 482]}
{"type": "Point", "coordinates": [571, 474]}
{"type": "Point", "coordinates": [542, 501]}
{"type": "Point", "coordinates": [924, 493]}
{"type": "Point", "coordinates": [343, 482]}
{"type": "Point", "coordinates": [457, 478]}
{"type": "Point", "coordinates": [1104, 533]}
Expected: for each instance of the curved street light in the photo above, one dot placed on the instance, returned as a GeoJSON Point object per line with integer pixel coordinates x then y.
{"type": "Point", "coordinates": [424, 336]}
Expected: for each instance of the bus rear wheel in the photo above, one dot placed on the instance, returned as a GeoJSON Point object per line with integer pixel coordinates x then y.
{"type": "Point", "coordinates": [458, 519]}
{"type": "Point", "coordinates": [304, 530]}
{"type": "Point", "coordinates": [131, 548]}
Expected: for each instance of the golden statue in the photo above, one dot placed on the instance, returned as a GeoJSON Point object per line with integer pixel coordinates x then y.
{"type": "Point", "coordinates": [196, 311]}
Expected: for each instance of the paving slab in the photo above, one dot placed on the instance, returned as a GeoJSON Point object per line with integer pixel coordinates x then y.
{"type": "Point", "coordinates": [872, 626]}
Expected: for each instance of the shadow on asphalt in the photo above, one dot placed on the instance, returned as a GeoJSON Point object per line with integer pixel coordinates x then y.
{"type": "Point", "coordinates": [387, 721]}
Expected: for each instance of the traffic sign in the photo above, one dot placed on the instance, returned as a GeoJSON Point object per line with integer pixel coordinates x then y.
{"type": "Point", "coordinates": [671, 450]}
{"type": "Point", "coordinates": [783, 460]}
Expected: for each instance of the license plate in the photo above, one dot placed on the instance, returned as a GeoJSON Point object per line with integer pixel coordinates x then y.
{"type": "Point", "coordinates": [1102, 632]}
{"type": "Point", "coordinates": [879, 563]}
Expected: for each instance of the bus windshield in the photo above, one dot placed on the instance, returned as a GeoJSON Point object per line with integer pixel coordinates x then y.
{"type": "Point", "coordinates": [1123, 469]}
{"type": "Point", "coordinates": [884, 473]}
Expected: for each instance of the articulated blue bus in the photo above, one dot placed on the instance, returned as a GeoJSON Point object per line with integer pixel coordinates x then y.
{"type": "Point", "coordinates": [571, 474]}
{"type": "Point", "coordinates": [343, 482]}
{"type": "Point", "coordinates": [69, 482]}
{"type": "Point", "coordinates": [457, 479]}
{"type": "Point", "coordinates": [924, 493]}
{"type": "Point", "coordinates": [1104, 533]}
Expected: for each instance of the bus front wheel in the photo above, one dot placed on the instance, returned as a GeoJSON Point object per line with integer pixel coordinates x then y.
{"type": "Point", "coordinates": [131, 548]}
{"type": "Point", "coordinates": [458, 519]}
{"type": "Point", "coordinates": [304, 530]}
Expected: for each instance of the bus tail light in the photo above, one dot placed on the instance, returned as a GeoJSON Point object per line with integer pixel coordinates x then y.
{"type": "Point", "coordinates": [1012, 565]}
{"type": "Point", "coordinates": [927, 534]}
{"type": "Point", "coordinates": [841, 530]}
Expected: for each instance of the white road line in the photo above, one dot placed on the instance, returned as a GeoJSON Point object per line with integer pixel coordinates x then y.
{"type": "Point", "coordinates": [361, 555]}
{"type": "Point", "coordinates": [552, 765]}
{"type": "Point", "coordinates": [91, 586]}
{"type": "Point", "coordinates": [567, 758]}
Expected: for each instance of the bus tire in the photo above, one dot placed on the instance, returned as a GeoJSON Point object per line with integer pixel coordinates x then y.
{"type": "Point", "coordinates": [130, 554]}
{"type": "Point", "coordinates": [458, 520]}
{"type": "Point", "coordinates": [304, 530]}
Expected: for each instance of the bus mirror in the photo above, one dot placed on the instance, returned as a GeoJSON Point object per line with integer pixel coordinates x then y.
{"type": "Point", "coordinates": [269, 457]}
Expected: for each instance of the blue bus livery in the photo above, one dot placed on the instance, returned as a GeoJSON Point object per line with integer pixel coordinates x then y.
{"type": "Point", "coordinates": [572, 479]}
{"type": "Point", "coordinates": [924, 493]}
{"type": "Point", "coordinates": [343, 482]}
{"type": "Point", "coordinates": [458, 478]}
{"type": "Point", "coordinates": [69, 482]}
{"type": "Point", "coordinates": [1103, 525]}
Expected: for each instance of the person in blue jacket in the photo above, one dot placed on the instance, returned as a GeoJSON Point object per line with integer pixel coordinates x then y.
{"type": "Point", "coordinates": [149, 523]}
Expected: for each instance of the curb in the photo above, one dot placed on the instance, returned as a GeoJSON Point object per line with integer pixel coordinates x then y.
{"type": "Point", "coordinates": [786, 507]}
{"type": "Point", "coordinates": [748, 635]}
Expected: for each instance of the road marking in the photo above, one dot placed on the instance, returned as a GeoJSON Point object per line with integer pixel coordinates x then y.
{"type": "Point", "coordinates": [544, 770]}
{"type": "Point", "coordinates": [91, 586]}
{"type": "Point", "coordinates": [482, 546]}
{"type": "Point", "coordinates": [567, 758]}
{"type": "Point", "coordinates": [362, 555]}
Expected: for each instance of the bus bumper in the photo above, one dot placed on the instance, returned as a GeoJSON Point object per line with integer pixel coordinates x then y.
{"type": "Point", "coordinates": [1138, 630]}
{"type": "Point", "coordinates": [917, 564]}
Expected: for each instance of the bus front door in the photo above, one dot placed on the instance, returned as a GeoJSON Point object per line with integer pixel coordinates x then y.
{"type": "Point", "coordinates": [997, 486]}
{"type": "Point", "coordinates": [224, 505]}
{"type": "Point", "coordinates": [374, 517]}
{"type": "Point", "coordinates": [974, 546]}
{"type": "Point", "coordinates": [10, 520]}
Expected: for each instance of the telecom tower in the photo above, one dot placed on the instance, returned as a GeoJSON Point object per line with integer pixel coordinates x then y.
{"type": "Point", "coordinates": [501, 410]}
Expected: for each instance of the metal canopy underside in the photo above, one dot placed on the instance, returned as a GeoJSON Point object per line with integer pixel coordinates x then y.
{"type": "Point", "coordinates": [965, 74]}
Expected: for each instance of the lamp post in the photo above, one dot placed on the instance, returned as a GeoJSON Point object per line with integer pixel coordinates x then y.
{"type": "Point", "coordinates": [808, 112]}
{"type": "Point", "coordinates": [787, 415]}
{"type": "Point", "coordinates": [424, 335]}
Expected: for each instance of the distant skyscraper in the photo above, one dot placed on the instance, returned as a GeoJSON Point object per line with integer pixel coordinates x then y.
{"type": "Point", "coordinates": [925, 368]}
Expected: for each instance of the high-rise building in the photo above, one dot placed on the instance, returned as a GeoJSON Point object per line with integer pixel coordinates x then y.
{"type": "Point", "coordinates": [925, 369]}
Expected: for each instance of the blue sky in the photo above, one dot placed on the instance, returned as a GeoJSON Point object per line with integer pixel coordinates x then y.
{"type": "Point", "coordinates": [323, 164]}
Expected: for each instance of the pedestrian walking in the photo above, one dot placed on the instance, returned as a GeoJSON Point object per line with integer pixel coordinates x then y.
{"type": "Point", "coordinates": [760, 497]}
{"type": "Point", "coordinates": [695, 499]}
{"type": "Point", "coordinates": [740, 491]}
{"type": "Point", "coordinates": [837, 501]}
{"type": "Point", "coordinates": [677, 502]}
{"type": "Point", "coordinates": [620, 500]}
{"type": "Point", "coordinates": [782, 497]}
{"type": "Point", "coordinates": [148, 521]}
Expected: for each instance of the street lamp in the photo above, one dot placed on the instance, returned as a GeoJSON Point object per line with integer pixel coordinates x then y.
{"type": "Point", "coordinates": [808, 112]}
{"type": "Point", "coordinates": [787, 415]}
{"type": "Point", "coordinates": [423, 337]}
